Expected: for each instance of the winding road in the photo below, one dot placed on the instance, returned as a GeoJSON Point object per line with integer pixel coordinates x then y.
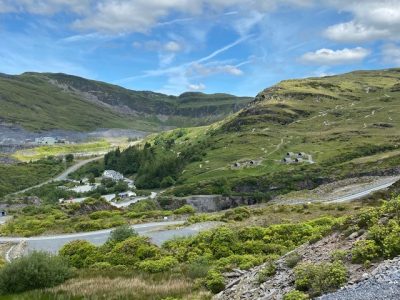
{"type": "Point", "coordinates": [157, 231]}
{"type": "Point", "coordinates": [63, 175]}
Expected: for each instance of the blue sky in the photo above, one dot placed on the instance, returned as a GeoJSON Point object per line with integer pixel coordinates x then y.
{"type": "Point", "coordinates": [172, 46]}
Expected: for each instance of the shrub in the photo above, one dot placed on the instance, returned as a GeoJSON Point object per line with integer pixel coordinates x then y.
{"type": "Point", "coordinates": [391, 245]}
{"type": "Point", "coordinates": [167, 182]}
{"type": "Point", "coordinates": [36, 270]}
{"type": "Point", "coordinates": [131, 251]}
{"type": "Point", "coordinates": [339, 255]}
{"type": "Point", "coordinates": [292, 259]}
{"type": "Point", "coordinates": [237, 214]}
{"type": "Point", "coordinates": [121, 233]}
{"type": "Point", "coordinates": [296, 295]}
{"type": "Point", "coordinates": [80, 253]}
{"type": "Point", "coordinates": [320, 278]}
{"type": "Point", "coordinates": [365, 250]}
{"type": "Point", "coordinates": [101, 266]}
{"type": "Point", "coordinates": [215, 281]}
{"type": "Point", "coordinates": [198, 268]}
{"type": "Point", "coordinates": [268, 271]}
{"type": "Point", "coordinates": [159, 265]}
{"type": "Point", "coordinates": [185, 210]}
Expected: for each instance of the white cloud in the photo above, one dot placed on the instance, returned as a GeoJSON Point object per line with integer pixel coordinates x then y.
{"type": "Point", "coordinates": [172, 46]}
{"type": "Point", "coordinates": [210, 69]}
{"type": "Point", "coordinates": [391, 54]}
{"type": "Point", "coordinates": [153, 45]}
{"type": "Point", "coordinates": [335, 57]}
{"type": "Point", "coordinates": [373, 20]}
{"type": "Point", "coordinates": [126, 16]}
{"type": "Point", "coordinates": [196, 87]}
{"type": "Point", "coordinates": [44, 7]}
{"type": "Point", "coordinates": [355, 32]}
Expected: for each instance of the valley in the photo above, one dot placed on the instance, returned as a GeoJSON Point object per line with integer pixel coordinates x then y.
{"type": "Point", "coordinates": [309, 168]}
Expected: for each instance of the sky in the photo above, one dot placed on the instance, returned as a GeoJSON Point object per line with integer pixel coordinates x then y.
{"type": "Point", "coordinates": [172, 46]}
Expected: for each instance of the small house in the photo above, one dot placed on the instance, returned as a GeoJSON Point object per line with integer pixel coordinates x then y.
{"type": "Point", "coordinates": [126, 195]}
{"type": "Point", "coordinates": [299, 160]}
{"type": "Point", "coordinates": [302, 154]}
{"type": "Point", "coordinates": [290, 154]}
{"type": "Point", "coordinates": [287, 160]}
{"type": "Point", "coordinates": [113, 175]}
{"type": "Point", "coordinates": [236, 165]}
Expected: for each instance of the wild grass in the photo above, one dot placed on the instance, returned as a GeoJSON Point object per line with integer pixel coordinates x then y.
{"type": "Point", "coordinates": [120, 288]}
{"type": "Point", "coordinates": [40, 152]}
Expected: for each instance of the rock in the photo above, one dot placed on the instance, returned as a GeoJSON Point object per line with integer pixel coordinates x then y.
{"type": "Point", "coordinates": [235, 282]}
{"type": "Point", "coordinates": [353, 236]}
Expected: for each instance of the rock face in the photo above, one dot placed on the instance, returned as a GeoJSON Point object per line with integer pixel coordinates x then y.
{"type": "Point", "coordinates": [382, 284]}
{"type": "Point", "coordinates": [246, 285]}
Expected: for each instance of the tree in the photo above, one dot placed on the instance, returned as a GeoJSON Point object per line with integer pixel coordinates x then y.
{"type": "Point", "coordinates": [121, 233]}
{"type": "Point", "coordinates": [69, 158]}
{"type": "Point", "coordinates": [167, 182]}
{"type": "Point", "coordinates": [92, 179]}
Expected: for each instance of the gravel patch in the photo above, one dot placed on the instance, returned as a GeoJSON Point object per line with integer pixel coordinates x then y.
{"type": "Point", "coordinates": [382, 284]}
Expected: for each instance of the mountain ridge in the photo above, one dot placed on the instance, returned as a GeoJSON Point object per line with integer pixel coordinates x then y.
{"type": "Point", "coordinates": [46, 94]}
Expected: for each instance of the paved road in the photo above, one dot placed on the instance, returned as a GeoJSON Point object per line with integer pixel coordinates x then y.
{"type": "Point", "coordinates": [357, 193]}
{"type": "Point", "coordinates": [62, 176]}
{"type": "Point", "coordinates": [153, 230]}
{"type": "Point", "coordinates": [381, 186]}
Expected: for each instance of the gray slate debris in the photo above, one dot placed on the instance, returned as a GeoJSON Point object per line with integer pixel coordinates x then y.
{"type": "Point", "coordinates": [382, 284]}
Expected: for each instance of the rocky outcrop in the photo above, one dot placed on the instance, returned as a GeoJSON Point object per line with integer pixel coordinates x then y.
{"type": "Point", "coordinates": [246, 285]}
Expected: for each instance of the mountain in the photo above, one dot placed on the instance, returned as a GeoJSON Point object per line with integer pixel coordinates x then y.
{"type": "Point", "coordinates": [336, 127]}
{"type": "Point", "coordinates": [43, 101]}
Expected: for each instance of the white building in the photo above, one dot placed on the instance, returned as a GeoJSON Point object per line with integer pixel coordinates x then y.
{"type": "Point", "coordinates": [114, 175]}
{"type": "Point", "coordinates": [47, 140]}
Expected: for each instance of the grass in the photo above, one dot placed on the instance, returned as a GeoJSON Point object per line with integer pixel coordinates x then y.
{"type": "Point", "coordinates": [346, 130]}
{"type": "Point", "coordinates": [40, 102]}
{"type": "Point", "coordinates": [119, 288]}
{"type": "Point", "coordinates": [41, 152]}
{"type": "Point", "coordinates": [20, 176]}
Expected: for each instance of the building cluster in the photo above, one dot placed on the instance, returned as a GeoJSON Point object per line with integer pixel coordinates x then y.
{"type": "Point", "coordinates": [49, 140]}
{"type": "Point", "coordinates": [84, 186]}
{"type": "Point", "coordinates": [300, 157]}
{"type": "Point", "coordinates": [246, 164]}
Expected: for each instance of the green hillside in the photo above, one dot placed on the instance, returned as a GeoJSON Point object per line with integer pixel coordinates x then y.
{"type": "Point", "coordinates": [349, 124]}
{"type": "Point", "coordinates": [58, 101]}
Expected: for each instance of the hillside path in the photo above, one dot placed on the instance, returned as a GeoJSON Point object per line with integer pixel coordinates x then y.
{"type": "Point", "coordinates": [62, 176]}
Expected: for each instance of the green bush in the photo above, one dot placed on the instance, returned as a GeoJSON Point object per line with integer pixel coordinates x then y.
{"type": "Point", "coordinates": [317, 279]}
{"type": "Point", "coordinates": [101, 266]}
{"type": "Point", "coordinates": [167, 182]}
{"type": "Point", "coordinates": [268, 271]}
{"type": "Point", "coordinates": [292, 259]}
{"type": "Point", "coordinates": [215, 281]}
{"type": "Point", "coordinates": [80, 254]}
{"type": "Point", "coordinates": [339, 255]}
{"type": "Point", "coordinates": [185, 210]}
{"type": "Point", "coordinates": [365, 250]}
{"type": "Point", "coordinates": [198, 268]}
{"type": "Point", "coordinates": [158, 265]}
{"type": "Point", "coordinates": [132, 251]}
{"type": "Point", "coordinates": [296, 295]}
{"type": "Point", "coordinates": [34, 271]}
{"type": "Point", "coordinates": [237, 214]}
{"type": "Point", "coordinates": [121, 233]}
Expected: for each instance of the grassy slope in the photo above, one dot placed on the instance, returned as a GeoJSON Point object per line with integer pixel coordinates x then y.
{"type": "Point", "coordinates": [336, 119]}
{"type": "Point", "coordinates": [58, 101]}
{"type": "Point", "coordinates": [37, 105]}
{"type": "Point", "coordinates": [14, 178]}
